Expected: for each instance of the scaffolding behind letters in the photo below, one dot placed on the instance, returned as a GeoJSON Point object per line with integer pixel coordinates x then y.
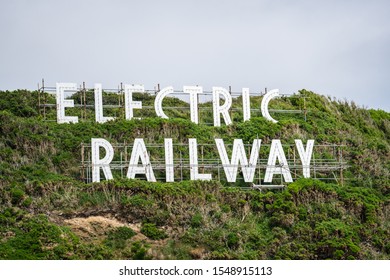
{"type": "Point", "coordinates": [326, 163]}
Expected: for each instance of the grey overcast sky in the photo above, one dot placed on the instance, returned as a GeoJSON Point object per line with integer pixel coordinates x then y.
{"type": "Point", "coordinates": [339, 48]}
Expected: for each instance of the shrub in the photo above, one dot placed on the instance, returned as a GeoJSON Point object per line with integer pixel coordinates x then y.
{"type": "Point", "coordinates": [150, 230]}
{"type": "Point", "coordinates": [232, 240]}
{"type": "Point", "coordinates": [197, 220]}
{"type": "Point", "coordinates": [117, 237]}
{"type": "Point", "coordinates": [17, 195]}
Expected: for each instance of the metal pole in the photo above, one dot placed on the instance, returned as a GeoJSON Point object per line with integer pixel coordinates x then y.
{"type": "Point", "coordinates": [197, 108]}
{"type": "Point", "coordinates": [89, 173]}
{"type": "Point", "coordinates": [181, 167]}
{"type": "Point", "coordinates": [281, 175]}
{"type": "Point", "coordinates": [121, 166]}
{"type": "Point", "coordinates": [82, 162]}
{"type": "Point", "coordinates": [202, 159]}
{"type": "Point", "coordinates": [85, 101]}
{"type": "Point", "coordinates": [39, 100]}
{"type": "Point", "coordinates": [124, 145]}
{"type": "Point", "coordinates": [219, 175]}
{"type": "Point", "coordinates": [341, 167]}
{"type": "Point", "coordinates": [230, 111]}
{"type": "Point", "coordinates": [45, 95]}
{"type": "Point", "coordinates": [120, 94]}
{"type": "Point", "coordinates": [123, 101]}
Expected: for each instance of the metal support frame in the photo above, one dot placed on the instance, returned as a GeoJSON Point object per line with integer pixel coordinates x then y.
{"type": "Point", "coordinates": [202, 97]}
{"type": "Point", "coordinates": [322, 169]}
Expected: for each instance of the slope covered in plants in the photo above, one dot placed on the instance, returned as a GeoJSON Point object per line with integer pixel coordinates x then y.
{"type": "Point", "coordinates": [48, 212]}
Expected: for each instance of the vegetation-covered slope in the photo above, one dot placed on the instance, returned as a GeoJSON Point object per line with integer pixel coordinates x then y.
{"type": "Point", "coordinates": [47, 212]}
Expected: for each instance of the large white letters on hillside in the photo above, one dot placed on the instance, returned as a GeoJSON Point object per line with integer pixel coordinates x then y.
{"type": "Point", "coordinates": [129, 103]}
{"type": "Point", "coordinates": [239, 156]}
{"type": "Point", "coordinates": [305, 155]}
{"type": "Point", "coordinates": [277, 153]}
{"type": "Point", "coordinates": [239, 162]}
{"type": "Point", "coordinates": [193, 91]}
{"type": "Point", "coordinates": [169, 171]}
{"type": "Point", "coordinates": [224, 109]}
{"type": "Point", "coordinates": [62, 102]}
{"type": "Point", "coordinates": [264, 104]}
{"type": "Point", "coordinates": [277, 162]}
{"type": "Point", "coordinates": [246, 105]}
{"type": "Point", "coordinates": [194, 162]}
{"type": "Point", "coordinates": [159, 99]}
{"type": "Point", "coordinates": [140, 153]}
{"type": "Point", "coordinates": [104, 163]}
{"type": "Point", "coordinates": [99, 105]}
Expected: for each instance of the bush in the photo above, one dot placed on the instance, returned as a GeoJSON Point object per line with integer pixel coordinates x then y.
{"type": "Point", "coordinates": [197, 220]}
{"type": "Point", "coordinates": [232, 240]}
{"type": "Point", "coordinates": [117, 237]}
{"type": "Point", "coordinates": [150, 230]}
{"type": "Point", "coordinates": [139, 251]}
{"type": "Point", "coordinates": [17, 195]}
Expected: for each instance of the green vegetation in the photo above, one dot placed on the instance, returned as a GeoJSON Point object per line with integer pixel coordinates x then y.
{"type": "Point", "coordinates": [151, 231]}
{"type": "Point", "coordinates": [48, 212]}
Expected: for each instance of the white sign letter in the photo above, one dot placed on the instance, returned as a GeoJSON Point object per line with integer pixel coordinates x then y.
{"type": "Point", "coordinates": [129, 103]}
{"type": "Point", "coordinates": [159, 99]}
{"type": "Point", "coordinates": [169, 172]}
{"type": "Point", "coordinates": [99, 105]}
{"type": "Point", "coordinates": [239, 157]}
{"type": "Point", "coordinates": [224, 109]}
{"type": "Point", "coordinates": [264, 104]}
{"type": "Point", "coordinates": [246, 105]}
{"type": "Point", "coordinates": [104, 163]}
{"type": "Point", "coordinates": [193, 91]}
{"type": "Point", "coordinates": [305, 155]}
{"type": "Point", "coordinates": [277, 153]}
{"type": "Point", "coordinates": [194, 162]}
{"type": "Point", "coordinates": [139, 152]}
{"type": "Point", "coordinates": [62, 102]}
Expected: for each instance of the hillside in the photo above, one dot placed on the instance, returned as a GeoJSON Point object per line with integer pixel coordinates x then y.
{"type": "Point", "coordinates": [48, 212]}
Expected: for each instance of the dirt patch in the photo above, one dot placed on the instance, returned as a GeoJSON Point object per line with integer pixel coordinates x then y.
{"type": "Point", "coordinates": [93, 226]}
{"type": "Point", "coordinates": [96, 228]}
